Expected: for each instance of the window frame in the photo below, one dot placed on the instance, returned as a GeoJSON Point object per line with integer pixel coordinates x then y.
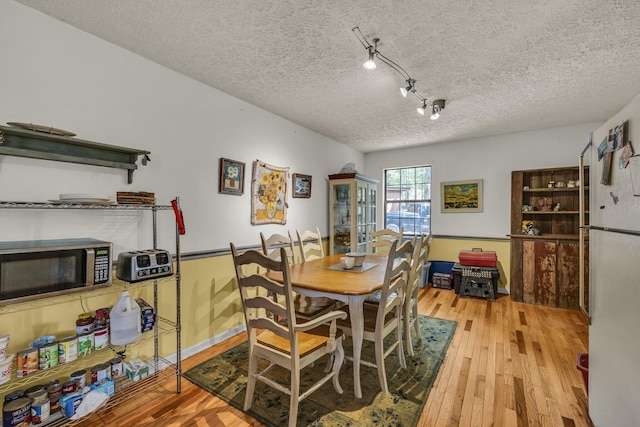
{"type": "Point", "coordinates": [408, 222]}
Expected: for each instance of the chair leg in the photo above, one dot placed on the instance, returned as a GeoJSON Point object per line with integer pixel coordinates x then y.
{"type": "Point", "coordinates": [403, 362]}
{"type": "Point", "coordinates": [382, 375]}
{"type": "Point", "coordinates": [406, 321]}
{"type": "Point", "coordinates": [416, 325]}
{"type": "Point", "coordinates": [338, 359]}
{"type": "Point", "coordinates": [295, 397]}
{"type": "Point", "coordinates": [330, 362]}
{"type": "Point", "coordinates": [251, 381]}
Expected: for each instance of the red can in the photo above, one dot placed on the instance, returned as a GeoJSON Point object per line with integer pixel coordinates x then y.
{"type": "Point", "coordinates": [69, 387]}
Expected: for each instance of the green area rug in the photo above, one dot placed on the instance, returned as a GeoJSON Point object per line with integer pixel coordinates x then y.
{"type": "Point", "coordinates": [226, 375]}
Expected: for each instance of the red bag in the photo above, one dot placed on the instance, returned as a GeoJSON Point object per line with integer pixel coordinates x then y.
{"type": "Point", "coordinates": [478, 258]}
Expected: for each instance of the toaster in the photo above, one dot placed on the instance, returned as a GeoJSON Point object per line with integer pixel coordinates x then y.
{"type": "Point", "coordinates": [141, 265]}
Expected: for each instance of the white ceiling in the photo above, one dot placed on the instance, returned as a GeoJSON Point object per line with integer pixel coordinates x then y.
{"type": "Point", "coordinates": [502, 65]}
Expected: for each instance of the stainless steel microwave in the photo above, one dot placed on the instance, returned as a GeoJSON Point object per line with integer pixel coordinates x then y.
{"type": "Point", "coordinates": [35, 269]}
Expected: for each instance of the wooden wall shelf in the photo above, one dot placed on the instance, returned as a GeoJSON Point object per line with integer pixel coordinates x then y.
{"type": "Point", "coordinates": [19, 142]}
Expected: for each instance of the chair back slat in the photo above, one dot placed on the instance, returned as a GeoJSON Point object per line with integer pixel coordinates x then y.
{"type": "Point", "coordinates": [270, 324]}
{"type": "Point", "coordinates": [380, 241]}
{"type": "Point", "coordinates": [395, 279]}
{"type": "Point", "coordinates": [310, 245]}
{"type": "Point", "coordinates": [271, 246]}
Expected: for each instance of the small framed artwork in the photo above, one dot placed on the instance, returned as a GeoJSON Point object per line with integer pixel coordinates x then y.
{"type": "Point", "coordinates": [231, 177]}
{"type": "Point", "coordinates": [301, 186]}
{"type": "Point", "coordinates": [461, 196]}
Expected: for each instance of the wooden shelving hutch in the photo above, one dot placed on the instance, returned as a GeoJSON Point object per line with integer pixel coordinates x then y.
{"type": "Point", "coordinates": [545, 267]}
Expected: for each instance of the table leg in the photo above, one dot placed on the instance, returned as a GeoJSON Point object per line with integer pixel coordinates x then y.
{"type": "Point", "coordinates": [356, 313]}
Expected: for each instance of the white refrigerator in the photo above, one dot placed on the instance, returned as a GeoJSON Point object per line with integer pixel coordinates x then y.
{"type": "Point", "coordinates": [614, 275]}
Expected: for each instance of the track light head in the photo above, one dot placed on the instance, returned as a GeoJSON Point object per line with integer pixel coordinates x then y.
{"type": "Point", "coordinates": [409, 88]}
{"type": "Point", "coordinates": [438, 105]}
{"type": "Point", "coordinates": [422, 108]}
{"type": "Point", "coordinates": [370, 64]}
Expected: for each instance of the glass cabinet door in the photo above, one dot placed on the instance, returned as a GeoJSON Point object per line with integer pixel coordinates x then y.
{"type": "Point", "coordinates": [341, 219]}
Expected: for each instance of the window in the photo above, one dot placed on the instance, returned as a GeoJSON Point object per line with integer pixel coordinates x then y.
{"type": "Point", "coordinates": [407, 199]}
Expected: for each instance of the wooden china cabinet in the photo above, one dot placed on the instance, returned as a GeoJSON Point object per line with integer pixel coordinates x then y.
{"type": "Point", "coordinates": [545, 231]}
{"type": "Point", "coordinates": [352, 212]}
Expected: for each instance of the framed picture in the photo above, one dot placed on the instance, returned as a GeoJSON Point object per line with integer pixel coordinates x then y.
{"type": "Point", "coordinates": [269, 194]}
{"type": "Point", "coordinates": [461, 196]}
{"type": "Point", "coordinates": [231, 177]}
{"type": "Point", "coordinates": [301, 186]}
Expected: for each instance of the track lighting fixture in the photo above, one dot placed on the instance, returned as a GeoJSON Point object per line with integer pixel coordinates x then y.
{"type": "Point", "coordinates": [436, 106]}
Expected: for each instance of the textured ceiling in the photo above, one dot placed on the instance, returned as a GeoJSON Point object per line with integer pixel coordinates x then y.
{"type": "Point", "coordinates": [502, 66]}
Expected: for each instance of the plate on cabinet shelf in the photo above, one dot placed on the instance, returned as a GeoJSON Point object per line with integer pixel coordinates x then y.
{"type": "Point", "coordinates": [80, 196]}
{"type": "Point", "coordinates": [40, 128]}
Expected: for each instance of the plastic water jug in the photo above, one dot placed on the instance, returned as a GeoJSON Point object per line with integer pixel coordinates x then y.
{"type": "Point", "coordinates": [125, 320]}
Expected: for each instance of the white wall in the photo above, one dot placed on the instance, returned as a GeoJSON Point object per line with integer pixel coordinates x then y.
{"type": "Point", "coordinates": [491, 159]}
{"type": "Point", "coordinates": [55, 75]}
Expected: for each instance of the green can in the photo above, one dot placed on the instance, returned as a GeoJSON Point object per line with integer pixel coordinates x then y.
{"type": "Point", "coordinates": [48, 356]}
{"type": "Point", "coordinates": [85, 344]}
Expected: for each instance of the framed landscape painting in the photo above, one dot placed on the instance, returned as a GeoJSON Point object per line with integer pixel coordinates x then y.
{"type": "Point", "coordinates": [461, 196]}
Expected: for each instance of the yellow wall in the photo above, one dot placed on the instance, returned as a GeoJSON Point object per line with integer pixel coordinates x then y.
{"type": "Point", "coordinates": [210, 303]}
{"type": "Point", "coordinates": [447, 249]}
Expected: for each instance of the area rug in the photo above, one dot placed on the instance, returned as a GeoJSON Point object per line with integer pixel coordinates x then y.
{"type": "Point", "coordinates": [225, 376]}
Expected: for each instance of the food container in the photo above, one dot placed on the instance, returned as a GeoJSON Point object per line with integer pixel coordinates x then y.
{"type": "Point", "coordinates": [16, 394]}
{"type": "Point", "coordinates": [81, 377]}
{"type": "Point", "coordinates": [69, 387]}
{"type": "Point", "coordinates": [48, 356]}
{"type": "Point", "coordinates": [85, 344]}
{"type": "Point", "coordinates": [5, 368]}
{"type": "Point", "coordinates": [100, 372]}
{"type": "Point", "coordinates": [67, 350]}
{"type": "Point", "coordinates": [17, 412]}
{"type": "Point", "coordinates": [4, 345]}
{"type": "Point", "coordinates": [54, 392]}
{"type": "Point", "coordinates": [40, 408]}
{"type": "Point", "coordinates": [116, 366]}
{"type": "Point", "coordinates": [85, 323]}
{"type": "Point", "coordinates": [27, 362]}
{"type": "Point", "coordinates": [101, 338]}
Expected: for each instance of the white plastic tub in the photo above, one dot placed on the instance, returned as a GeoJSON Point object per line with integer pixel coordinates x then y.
{"type": "Point", "coordinates": [5, 368]}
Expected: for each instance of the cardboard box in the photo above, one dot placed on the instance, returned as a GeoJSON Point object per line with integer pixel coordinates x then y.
{"type": "Point", "coordinates": [145, 307]}
{"type": "Point", "coordinates": [105, 385]}
{"type": "Point", "coordinates": [136, 369]}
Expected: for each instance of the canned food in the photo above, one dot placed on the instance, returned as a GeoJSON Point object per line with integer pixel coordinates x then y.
{"type": "Point", "coordinates": [17, 413]}
{"type": "Point", "coordinates": [54, 391]}
{"type": "Point", "coordinates": [116, 366]}
{"type": "Point", "coordinates": [85, 344]}
{"type": "Point", "coordinates": [40, 409]}
{"type": "Point", "coordinates": [81, 377]}
{"type": "Point", "coordinates": [85, 323]}
{"type": "Point", "coordinates": [48, 354]}
{"type": "Point", "coordinates": [67, 350]}
{"type": "Point", "coordinates": [101, 338]}
{"type": "Point", "coordinates": [31, 391]}
{"type": "Point", "coordinates": [100, 372]}
{"type": "Point", "coordinates": [27, 362]}
{"type": "Point", "coordinates": [17, 394]}
{"type": "Point", "coordinates": [69, 387]}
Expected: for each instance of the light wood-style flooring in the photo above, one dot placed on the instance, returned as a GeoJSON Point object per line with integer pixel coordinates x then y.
{"type": "Point", "coordinates": [509, 364]}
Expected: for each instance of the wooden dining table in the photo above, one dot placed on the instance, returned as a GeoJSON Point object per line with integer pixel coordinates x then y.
{"type": "Point", "coordinates": [325, 277]}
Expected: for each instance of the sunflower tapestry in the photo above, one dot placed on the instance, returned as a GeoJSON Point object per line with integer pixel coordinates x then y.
{"type": "Point", "coordinates": [269, 194]}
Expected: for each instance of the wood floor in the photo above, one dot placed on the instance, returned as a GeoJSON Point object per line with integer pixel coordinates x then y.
{"type": "Point", "coordinates": [509, 364]}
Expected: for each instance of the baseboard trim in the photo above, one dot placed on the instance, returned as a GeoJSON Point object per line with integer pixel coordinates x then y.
{"type": "Point", "coordinates": [203, 345]}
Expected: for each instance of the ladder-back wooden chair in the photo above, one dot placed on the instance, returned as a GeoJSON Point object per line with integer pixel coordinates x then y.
{"type": "Point", "coordinates": [310, 247]}
{"type": "Point", "coordinates": [287, 343]}
{"type": "Point", "coordinates": [380, 241]}
{"type": "Point", "coordinates": [410, 308]}
{"type": "Point", "coordinates": [385, 318]}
